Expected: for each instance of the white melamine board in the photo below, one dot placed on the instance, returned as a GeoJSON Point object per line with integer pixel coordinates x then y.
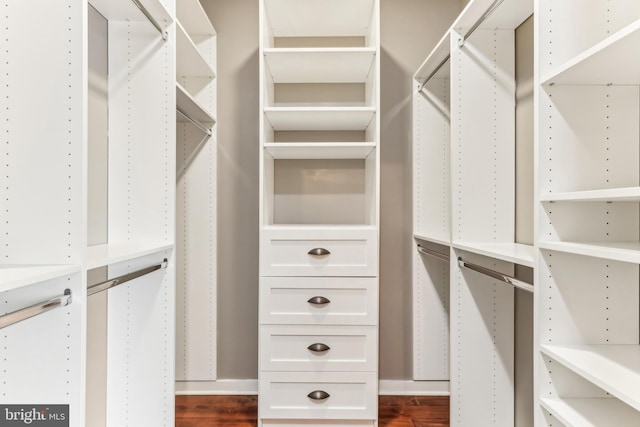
{"type": "Point", "coordinates": [508, 15]}
{"type": "Point", "coordinates": [482, 353]}
{"type": "Point", "coordinates": [511, 252]}
{"type": "Point", "coordinates": [438, 55]}
{"type": "Point", "coordinates": [431, 160]}
{"type": "Point", "coordinates": [141, 315]}
{"type": "Point", "coordinates": [193, 18]}
{"type": "Point", "coordinates": [189, 60]}
{"type": "Point", "coordinates": [319, 18]}
{"type": "Point", "coordinates": [103, 255]}
{"type": "Point", "coordinates": [483, 148]}
{"type": "Point", "coordinates": [16, 276]}
{"type": "Point", "coordinates": [431, 295]}
{"type": "Point", "coordinates": [628, 194]}
{"type": "Point", "coordinates": [142, 100]}
{"type": "Point", "coordinates": [320, 118]}
{"type": "Point", "coordinates": [591, 412]}
{"type": "Point", "coordinates": [42, 356]}
{"type": "Point", "coordinates": [42, 131]}
{"type": "Point", "coordinates": [615, 251]}
{"type": "Point", "coordinates": [615, 60]}
{"type": "Point", "coordinates": [319, 150]}
{"type": "Point", "coordinates": [445, 241]}
{"type": "Point", "coordinates": [593, 20]}
{"type": "Point", "coordinates": [196, 254]}
{"type": "Point", "coordinates": [190, 106]}
{"type": "Point", "coordinates": [587, 301]}
{"type": "Point", "coordinates": [614, 368]}
{"type": "Point", "coordinates": [588, 138]}
{"type": "Point", "coordinates": [320, 65]}
{"type": "Point", "coordinates": [126, 10]}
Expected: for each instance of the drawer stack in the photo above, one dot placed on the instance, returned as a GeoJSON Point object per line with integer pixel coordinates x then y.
{"type": "Point", "coordinates": [319, 204]}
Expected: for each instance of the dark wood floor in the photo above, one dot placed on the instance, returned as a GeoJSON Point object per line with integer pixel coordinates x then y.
{"type": "Point", "coordinates": [241, 411]}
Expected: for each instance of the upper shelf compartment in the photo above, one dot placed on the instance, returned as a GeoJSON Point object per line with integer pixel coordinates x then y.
{"type": "Point", "coordinates": [134, 10]}
{"type": "Point", "coordinates": [193, 18]}
{"type": "Point", "coordinates": [615, 60]}
{"type": "Point", "coordinates": [319, 65]}
{"type": "Point", "coordinates": [190, 61]}
{"type": "Point", "coordinates": [320, 19]}
{"type": "Point", "coordinates": [319, 118]}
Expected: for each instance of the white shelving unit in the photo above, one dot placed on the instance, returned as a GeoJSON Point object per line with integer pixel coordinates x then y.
{"type": "Point", "coordinates": [319, 209]}
{"type": "Point", "coordinates": [468, 144]}
{"type": "Point", "coordinates": [196, 350]}
{"type": "Point", "coordinates": [588, 108]}
{"type": "Point", "coordinates": [73, 202]}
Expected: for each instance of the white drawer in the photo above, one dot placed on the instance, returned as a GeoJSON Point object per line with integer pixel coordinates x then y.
{"type": "Point", "coordinates": [351, 395]}
{"type": "Point", "coordinates": [301, 300]}
{"type": "Point", "coordinates": [292, 251]}
{"type": "Point", "coordinates": [318, 348]}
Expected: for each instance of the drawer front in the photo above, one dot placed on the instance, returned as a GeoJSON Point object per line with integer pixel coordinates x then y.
{"type": "Point", "coordinates": [285, 395]}
{"type": "Point", "coordinates": [318, 348]}
{"type": "Point", "coordinates": [342, 301]}
{"type": "Point", "coordinates": [313, 252]}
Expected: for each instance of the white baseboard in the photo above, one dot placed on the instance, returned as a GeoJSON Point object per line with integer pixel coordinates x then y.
{"type": "Point", "coordinates": [250, 387]}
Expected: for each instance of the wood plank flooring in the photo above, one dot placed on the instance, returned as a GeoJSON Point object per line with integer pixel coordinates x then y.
{"type": "Point", "coordinates": [242, 411]}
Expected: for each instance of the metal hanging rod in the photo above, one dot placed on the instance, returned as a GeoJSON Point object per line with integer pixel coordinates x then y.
{"type": "Point", "coordinates": [496, 275]}
{"type": "Point", "coordinates": [195, 122]}
{"type": "Point", "coordinates": [435, 254]}
{"type": "Point", "coordinates": [103, 286]}
{"type": "Point", "coordinates": [434, 72]}
{"type": "Point", "coordinates": [151, 19]}
{"type": "Point", "coordinates": [36, 309]}
{"type": "Point", "coordinates": [479, 22]}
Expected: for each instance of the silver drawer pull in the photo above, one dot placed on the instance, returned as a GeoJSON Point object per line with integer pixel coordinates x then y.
{"type": "Point", "coordinates": [318, 347]}
{"type": "Point", "coordinates": [318, 252]}
{"type": "Point", "coordinates": [318, 300]}
{"type": "Point", "coordinates": [318, 395]}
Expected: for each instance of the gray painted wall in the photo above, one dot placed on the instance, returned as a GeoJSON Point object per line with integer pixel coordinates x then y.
{"type": "Point", "coordinates": [409, 30]}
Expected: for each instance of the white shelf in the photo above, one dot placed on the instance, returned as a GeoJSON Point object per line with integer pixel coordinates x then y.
{"type": "Point", "coordinates": [319, 150]}
{"type": "Point", "coordinates": [437, 56]}
{"type": "Point", "coordinates": [320, 65]}
{"type": "Point", "coordinates": [511, 252]}
{"type": "Point", "coordinates": [616, 251]}
{"type": "Point", "coordinates": [318, 227]}
{"type": "Point", "coordinates": [189, 61]}
{"type": "Point", "coordinates": [591, 412]}
{"type": "Point", "coordinates": [191, 106]}
{"type": "Point", "coordinates": [193, 18]}
{"type": "Point", "coordinates": [613, 368]}
{"type": "Point", "coordinates": [126, 10]}
{"type": "Point", "coordinates": [433, 239]}
{"type": "Point", "coordinates": [320, 118]}
{"type": "Point", "coordinates": [313, 18]}
{"type": "Point", "coordinates": [17, 276]}
{"type": "Point", "coordinates": [103, 255]}
{"type": "Point", "coordinates": [615, 60]}
{"type": "Point", "coordinates": [629, 194]}
{"type": "Point", "coordinates": [508, 16]}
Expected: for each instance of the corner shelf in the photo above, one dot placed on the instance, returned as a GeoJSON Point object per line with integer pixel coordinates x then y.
{"type": "Point", "coordinates": [190, 62]}
{"type": "Point", "coordinates": [320, 118]}
{"type": "Point", "coordinates": [17, 276]}
{"type": "Point", "coordinates": [193, 18]}
{"type": "Point", "coordinates": [319, 150]}
{"type": "Point", "coordinates": [104, 255]}
{"type": "Point", "coordinates": [615, 60]}
{"type": "Point", "coordinates": [615, 251]}
{"type": "Point", "coordinates": [511, 252]}
{"type": "Point", "coordinates": [591, 412]}
{"type": "Point", "coordinates": [613, 368]}
{"type": "Point", "coordinates": [320, 65]}
{"type": "Point", "coordinates": [628, 194]}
